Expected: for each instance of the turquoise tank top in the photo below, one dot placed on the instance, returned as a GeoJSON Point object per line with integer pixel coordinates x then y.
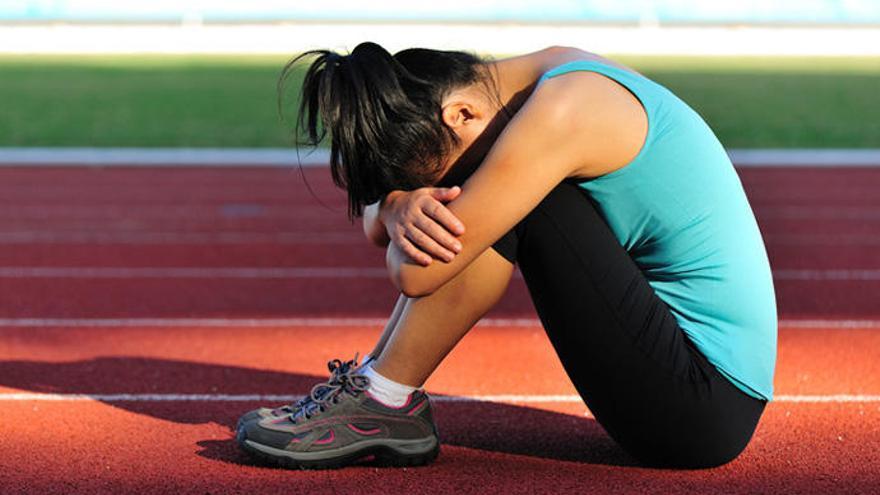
{"type": "Point", "coordinates": [680, 211]}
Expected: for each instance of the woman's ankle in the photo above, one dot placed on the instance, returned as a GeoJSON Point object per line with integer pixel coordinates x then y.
{"type": "Point", "coordinates": [384, 389]}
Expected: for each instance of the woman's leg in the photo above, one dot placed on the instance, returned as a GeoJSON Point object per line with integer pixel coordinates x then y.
{"type": "Point", "coordinates": [427, 328]}
{"type": "Point", "coordinates": [622, 348]}
{"type": "Point", "coordinates": [390, 325]}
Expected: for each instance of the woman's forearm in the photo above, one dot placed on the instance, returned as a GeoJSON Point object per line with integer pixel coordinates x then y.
{"type": "Point", "coordinates": [374, 229]}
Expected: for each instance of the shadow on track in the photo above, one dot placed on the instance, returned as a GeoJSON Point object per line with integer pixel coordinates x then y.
{"type": "Point", "coordinates": [478, 425]}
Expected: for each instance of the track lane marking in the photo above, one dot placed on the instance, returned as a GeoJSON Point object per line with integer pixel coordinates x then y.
{"type": "Point", "coordinates": [287, 238]}
{"type": "Point", "coordinates": [838, 274]}
{"type": "Point", "coordinates": [91, 217]}
{"type": "Point", "coordinates": [181, 238]}
{"type": "Point", "coordinates": [343, 272]}
{"type": "Point", "coordinates": [232, 322]}
{"type": "Point", "coordinates": [501, 398]}
{"type": "Point", "coordinates": [339, 322]}
{"type": "Point", "coordinates": [320, 157]}
{"type": "Point", "coordinates": [193, 272]}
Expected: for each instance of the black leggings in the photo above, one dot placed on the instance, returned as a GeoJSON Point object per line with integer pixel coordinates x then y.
{"type": "Point", "coordinates": [637, 371]}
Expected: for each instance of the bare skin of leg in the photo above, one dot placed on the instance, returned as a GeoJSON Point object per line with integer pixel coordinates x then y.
{"type": "Point", "coordinates": [389, 326]}
{"type": "Point", "coordinates": [428, 327]}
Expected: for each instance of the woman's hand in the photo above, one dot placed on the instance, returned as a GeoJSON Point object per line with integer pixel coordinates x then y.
{"type": "Point", "coordinates": [419, 223]}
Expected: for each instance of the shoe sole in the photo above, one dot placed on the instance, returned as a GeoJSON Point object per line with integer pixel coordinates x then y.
{"type": "Point", "coordinates": [391, 453]}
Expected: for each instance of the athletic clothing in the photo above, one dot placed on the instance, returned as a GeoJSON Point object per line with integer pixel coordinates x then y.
{"type": "Point", "coordinates": [622, 347]}
{"type": "Point", "coordinates": [679, 210]}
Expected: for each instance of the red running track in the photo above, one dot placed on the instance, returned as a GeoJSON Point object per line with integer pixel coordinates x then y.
{"type": "Point", "coordinates": [87, 253]}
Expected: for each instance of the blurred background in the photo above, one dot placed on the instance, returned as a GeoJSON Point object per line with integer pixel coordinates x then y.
{"type": "Point", "coordinates": [101, 73]}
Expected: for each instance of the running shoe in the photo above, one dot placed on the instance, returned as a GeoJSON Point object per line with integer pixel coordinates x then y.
{"type": "Point", "coordinates": [341, 424]}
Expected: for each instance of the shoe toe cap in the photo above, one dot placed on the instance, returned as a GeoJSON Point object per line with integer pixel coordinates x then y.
{"type": "Point", "coordinates": [249, 416]}
{"type": "Point", "coordinates": [261, 413]}
{"type": "Point", "coordinates": [256, 432]}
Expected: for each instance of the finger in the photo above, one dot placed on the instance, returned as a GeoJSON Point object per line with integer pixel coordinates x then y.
{"type": "Point", "coordinates": [428, 245]}
{"type": "Point", "coordinates": [439, 234]}
{"type": "Point", "coordinates": [441, 214]}
{"type": "Point", "coordinates": [412, 251]}
{"type": "Point", "coordinates": [445, 194]}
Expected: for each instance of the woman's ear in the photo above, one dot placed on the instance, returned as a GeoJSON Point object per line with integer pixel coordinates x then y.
{"type": "Point", "coordinates": [458, 114]}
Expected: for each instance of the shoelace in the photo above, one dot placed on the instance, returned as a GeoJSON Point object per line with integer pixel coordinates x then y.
{"type": "Point", "coordinates": [342, 379]}
{"type": "Point", "coordinates": [297, 406]}
{"type": "Point", "coordinates": [334, 365]}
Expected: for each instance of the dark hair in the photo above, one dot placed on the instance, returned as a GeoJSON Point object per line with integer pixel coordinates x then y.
{"type": "Point", "coordinates": [383, 114]}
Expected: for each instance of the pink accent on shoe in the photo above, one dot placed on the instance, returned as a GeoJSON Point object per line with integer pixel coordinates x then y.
{"type": "Point", "coordinates": [417, 409]}
{"type": "Point", "coordinates": [327, 440]}
{"type": "Point", "coordinates": [364, 432]}
{"type": "Point", "coordinates": [404, 406]}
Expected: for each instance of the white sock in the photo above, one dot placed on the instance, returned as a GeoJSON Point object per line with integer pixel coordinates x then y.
{"type": "Point", "coordinates": [385, 390]}
{"type": "Point", "coordinates": [367, 360]}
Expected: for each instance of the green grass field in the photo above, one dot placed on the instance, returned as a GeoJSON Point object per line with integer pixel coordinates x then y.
{"type": "Point", "coordinates": [230, 101]}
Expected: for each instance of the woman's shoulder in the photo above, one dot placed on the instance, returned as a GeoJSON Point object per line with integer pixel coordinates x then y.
{"type": "Point", "coordinates": [605, 115]}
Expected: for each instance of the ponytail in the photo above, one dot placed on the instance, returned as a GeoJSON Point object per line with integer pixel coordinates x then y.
{"type": "Point", "coordinates": [382, 113]}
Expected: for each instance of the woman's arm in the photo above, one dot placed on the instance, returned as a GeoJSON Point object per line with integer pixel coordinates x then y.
{"type": "Point", "coordinates": [417, 221]}
{"type": "Point", "coordinates": [572, 126]}
{"type": "Point", "coordinates": [374, 229]}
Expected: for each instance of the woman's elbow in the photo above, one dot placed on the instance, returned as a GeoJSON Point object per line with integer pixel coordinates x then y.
{"type": "Point", "coordinates": [407, 277]}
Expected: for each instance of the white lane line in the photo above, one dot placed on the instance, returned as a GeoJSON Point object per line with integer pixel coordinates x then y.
{"type": "Point", "coordinates": [230, 322]}
{"type": "Point", "coordinates": [193, 272]}
{"type": "Point", "coordinates": [813, 213]}
{"type": "Point", "coordinates": [805, 157]}
{"type": "Point", "coordinates": [856, 274]}
{"type": "Point", "coordinates": [818, 399]}
{"type": "Point", "coordinates": [501, 398]}
{"type": "Point", "coordinates": [98, 216]}
{"type": "Point", "coordinates": [822, 239]}
{"type": "Point", "coordinates": [100, 219]}
{"type": "Point", "coordinates": [327, 238]}
{"type": "Point", "coordinates": [181, 238]}
{"type": "Point", "coordinates": [325, 272]}
{"type": "Point", "coordinates": [226, 157]}
{"type": "Point", "coordinates": [336, 322]}
{"type": "Point", "coordinates": [830, 324]}
{"type": "Point", "coordinates": [16, 397]}
{"type": "Point", "coordinates": [158, 157]}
